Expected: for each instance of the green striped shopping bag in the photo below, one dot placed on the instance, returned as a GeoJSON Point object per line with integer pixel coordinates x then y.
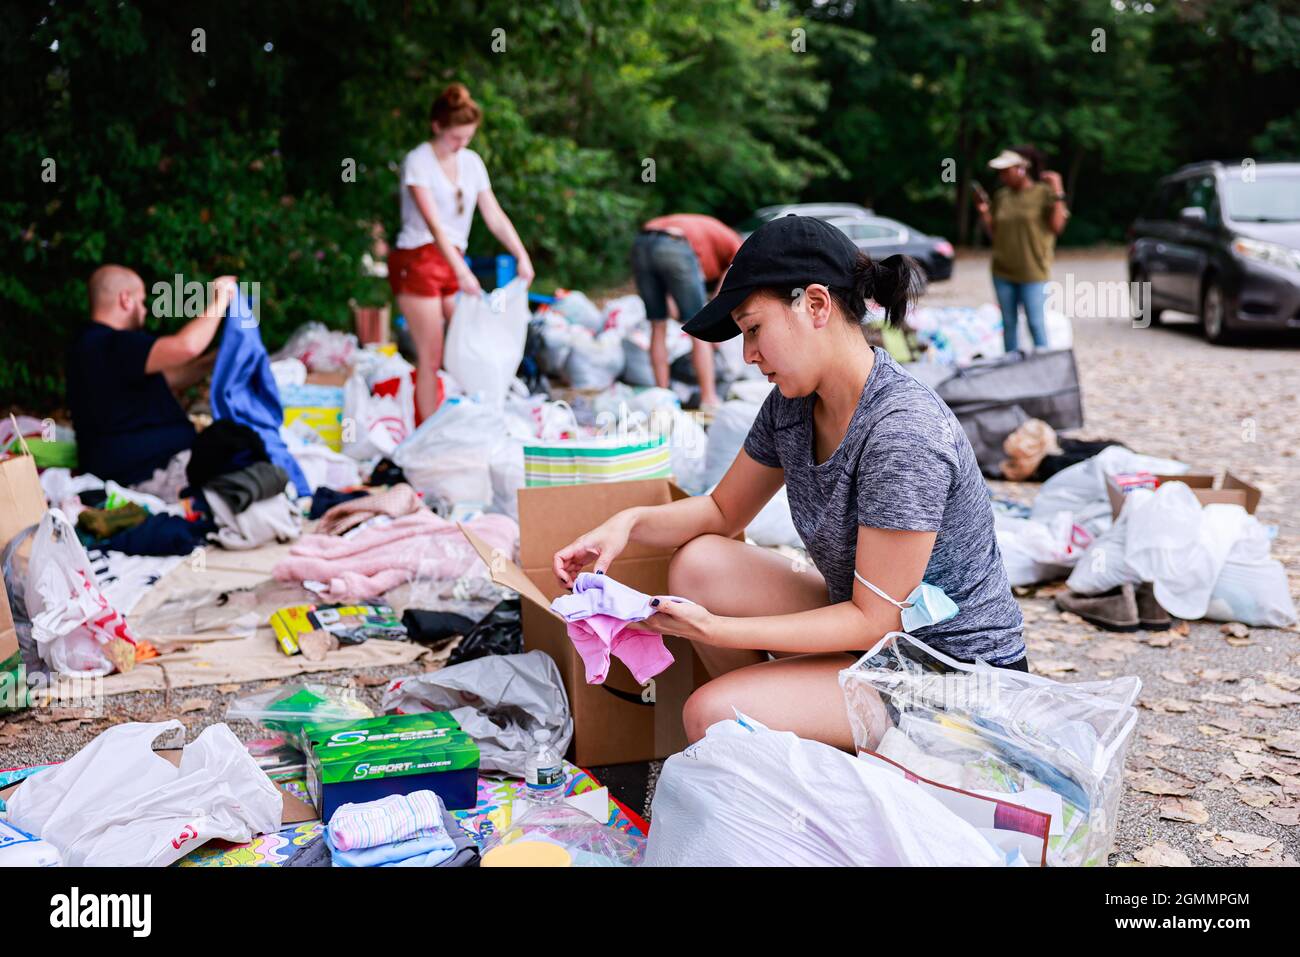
{"type": "Point", "coordinates": [580, 461]}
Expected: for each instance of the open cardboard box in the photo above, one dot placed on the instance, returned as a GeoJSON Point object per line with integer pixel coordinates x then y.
{"type": "Point", "coordinates": [1233, 491]}
{"type": "Point", "coordinates": [618, 721]}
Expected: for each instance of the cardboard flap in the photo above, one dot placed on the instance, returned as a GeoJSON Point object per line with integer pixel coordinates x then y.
{"type": "Point", "coordinates": [505, 572]}
{"type": "Point", "coordinates": [1252, 493]}
{"type": "Point", "coordinates": [553, 516]}
{"type": "Point", "coordinates": [22, 501]}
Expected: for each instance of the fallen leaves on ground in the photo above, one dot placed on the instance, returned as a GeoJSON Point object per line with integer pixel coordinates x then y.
{"type": "Point", "coordinates": [1161, 854]}
{"type": "Point", "coordinates": [1184, 809]}
{"type": "Point", "coordinates": [1150, 784]}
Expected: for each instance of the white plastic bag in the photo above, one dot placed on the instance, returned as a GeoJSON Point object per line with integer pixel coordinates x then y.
{"type": "Point", "coordinates": [1034, 552]}
{"type": "Point", "coordinates": [594, 363]}
{"type": "Point", "coordinates": [773, 525]}
{"type": "Point", "coordinates": [1081, 488]}
{"type": "Point", "coordinates": [575, 307]}
{"type": "Point", "coordinates": [731, 423]}
{"type": "Point", "coordinates": [624, 314]}
{"type": "Point", "coordinates": [448, 457]}
{"type": "Point", "coordinates": [374, 425]}
{"type": "Point", "coordinates": [76, 630]}
{"type": "Point", "coordinates": [1252, 588]}
{"type": "Point", "coordinates": [1180, 546]}
{"type": "Point", "coordinates": [557, 339]}
{"type": "Point", "coordinates": [485, 341]}
{"type": "Point", "coordinates": [117, 804]}
{"type": "Point", "coordinates": [747, 796]}
{"type": "Point", "coordinates": [689, 444]}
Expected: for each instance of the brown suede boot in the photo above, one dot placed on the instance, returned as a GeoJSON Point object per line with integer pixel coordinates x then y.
{"type": "Point", "coordinates": [1114, 610]}
{"type": "Point", "coordinates": [1151, 616]}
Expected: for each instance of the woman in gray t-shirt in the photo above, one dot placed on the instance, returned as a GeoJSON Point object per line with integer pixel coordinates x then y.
{"type": "Point", "coordinates": [883, 488]}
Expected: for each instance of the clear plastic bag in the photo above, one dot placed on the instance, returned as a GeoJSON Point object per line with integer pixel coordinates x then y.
{"type": "Point", "coordinates": [994, 730]}
{"type": "Point", "coordinates": [289, 708]}
{"type": "Point", "coordinates": [589, 843]}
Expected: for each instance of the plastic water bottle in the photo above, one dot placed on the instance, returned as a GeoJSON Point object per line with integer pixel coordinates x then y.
{"type": "Point", "coordinates": [544, 770]}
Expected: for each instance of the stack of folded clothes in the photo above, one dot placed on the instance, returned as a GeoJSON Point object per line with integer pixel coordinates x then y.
{"type": "Point", "coordinates": [402, 830]}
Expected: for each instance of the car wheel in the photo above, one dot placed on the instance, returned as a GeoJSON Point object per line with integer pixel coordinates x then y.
{"type": "Point", "coordinates": [1154, 313]}
{"type": "Point", "coordinates": [1214, 313]}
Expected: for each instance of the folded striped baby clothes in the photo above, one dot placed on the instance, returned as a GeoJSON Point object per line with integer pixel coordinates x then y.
{"type": "Point", "coordinates": [394, 818]}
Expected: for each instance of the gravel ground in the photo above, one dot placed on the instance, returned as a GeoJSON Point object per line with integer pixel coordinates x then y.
{"type": "Point", "coordinates": [1214, 714]}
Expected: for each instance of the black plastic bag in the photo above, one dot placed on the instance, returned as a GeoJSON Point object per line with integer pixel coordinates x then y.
{"type": "Point", "coordinates": [500, 632]}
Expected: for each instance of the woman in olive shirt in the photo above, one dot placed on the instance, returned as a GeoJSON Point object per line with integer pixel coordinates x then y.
{"type": "Point", "coordinates": [1026, 215]}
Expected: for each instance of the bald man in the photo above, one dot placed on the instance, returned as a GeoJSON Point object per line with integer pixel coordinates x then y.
{"type": "Point", "coordinates": [120, 382]}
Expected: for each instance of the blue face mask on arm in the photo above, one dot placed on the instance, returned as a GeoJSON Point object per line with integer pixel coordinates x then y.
{"type": "Point", "coordinates": [927, 605]}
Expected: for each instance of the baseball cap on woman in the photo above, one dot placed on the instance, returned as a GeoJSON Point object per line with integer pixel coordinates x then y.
{"type": "Point", "coordinates": [789, 252]}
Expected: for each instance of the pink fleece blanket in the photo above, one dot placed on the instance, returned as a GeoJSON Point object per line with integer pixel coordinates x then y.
{"type": "Point", "coordinates": [420, 545]}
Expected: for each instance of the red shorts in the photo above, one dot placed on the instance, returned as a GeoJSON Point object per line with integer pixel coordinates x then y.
{"type": "Point", "coordinates": [422, 271]}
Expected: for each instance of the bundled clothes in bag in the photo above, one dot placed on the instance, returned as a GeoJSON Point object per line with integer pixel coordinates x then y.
{"type": "Point", "coordinates": [1033, 745]}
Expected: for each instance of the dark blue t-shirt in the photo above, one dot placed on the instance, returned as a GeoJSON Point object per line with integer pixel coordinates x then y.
{"type": "Point", "coordinates": [128, 423]}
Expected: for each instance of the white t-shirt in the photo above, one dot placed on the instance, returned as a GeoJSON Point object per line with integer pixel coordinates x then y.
{"type": "Point", "coordinates": [421, 168]}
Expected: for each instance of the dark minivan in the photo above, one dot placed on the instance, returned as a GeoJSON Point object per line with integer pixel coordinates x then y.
{"type": "Point", "coordinates": [1222, 241]}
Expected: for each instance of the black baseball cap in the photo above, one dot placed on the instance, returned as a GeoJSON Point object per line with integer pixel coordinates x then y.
{"type": "Point", "coordinates": [787, 253]}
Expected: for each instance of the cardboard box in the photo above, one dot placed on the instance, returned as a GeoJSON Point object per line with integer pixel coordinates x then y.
{"type": "Point", "coordinates": [13, 694]}
{"type": "Point", "coordinates": [359, 761]}
{"type": "Point", "coordinates": [1233, 491]}
{"type": "Point", "coordinates": [618, 721]}
{"type": "Point", "coordinates": [22, 502]}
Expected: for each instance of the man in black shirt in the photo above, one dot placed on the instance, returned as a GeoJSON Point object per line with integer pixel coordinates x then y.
{"type": "Point", "coordinates": [121, 381]}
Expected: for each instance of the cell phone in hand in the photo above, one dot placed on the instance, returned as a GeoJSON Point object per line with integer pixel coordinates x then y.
{"type": "Point", "coordinates": [981, 196]}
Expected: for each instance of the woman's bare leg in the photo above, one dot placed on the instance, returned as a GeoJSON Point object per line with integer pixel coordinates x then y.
{"type": "Point", "coordinates": [424, 315]}
{"type": "Point", "coordinates": [799, 693]}
{"type": "Point", "coordinates": [707, 570]}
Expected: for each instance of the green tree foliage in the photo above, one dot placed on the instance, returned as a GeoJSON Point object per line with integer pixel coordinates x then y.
{"type": "Point", "coordinates": [128, 137]}
{"type": "Point", "coordinates": [175, 151]}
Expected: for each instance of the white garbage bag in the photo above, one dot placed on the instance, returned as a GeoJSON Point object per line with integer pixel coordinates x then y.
{"type": "Point", "coordinates": [76, 630]}
{"type": "Point", "coordinates": [773, 525]}
{"type": "Point", "coordinates": [688, 442]}
{"type": "Point", "coordinates": [747, 796]}
{"type": "Point", "coordinates": [637, 368]}
{"type": "Point", "coordinates": [1168, 538]}
{"type": "Point", "coordinates": [1180, 546]}
{"type": "Point", "coordinates": [1035, 552]}
{"type": "Point", "coordinates": [448, 457]}
{"type": "Point", "coordinates": [117, 804]}
{"type": "Point", "coordinates": [1104, 564]}
{"type": "Point", "coordinates": [624, 314]}
{"type": "Point", "coordinates": [374, 425]}
{"type": "Point", "coordinates": [485, 341]}
{"type": "Point", "coordinates": [596, 362]}
{"type": "Point", "coordinates": [731, 423]}
{"type": "Point", "coordinates": [1252, 588]}
{"type": "Point", "coordinates": [557, 339]}
{"type": "Point", "coordinates": [574, 306]}
{"type": "Point", "coordinates": [1081, 488]}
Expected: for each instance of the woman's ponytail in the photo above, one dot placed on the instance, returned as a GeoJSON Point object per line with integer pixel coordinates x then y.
{"type": "Point", "coordinates": [893, 283]}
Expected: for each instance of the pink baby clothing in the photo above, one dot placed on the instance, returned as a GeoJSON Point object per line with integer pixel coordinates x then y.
{"type": "Point", "coordinates": [414, 547]}
{"type": "Point", "coordinates": [600, 617]}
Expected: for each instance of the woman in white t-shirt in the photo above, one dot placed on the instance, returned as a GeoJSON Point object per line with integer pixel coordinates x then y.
{"type": "Point", "coordinates": [442, 182]}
